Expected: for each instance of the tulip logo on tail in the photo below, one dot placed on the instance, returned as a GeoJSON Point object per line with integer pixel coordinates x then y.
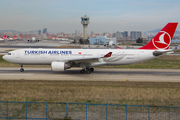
{"type": "Point", "coordinates": [162, 40]}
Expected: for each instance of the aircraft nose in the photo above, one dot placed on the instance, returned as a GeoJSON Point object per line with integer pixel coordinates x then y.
{"type": "Point", "coordinates": [5, 57]}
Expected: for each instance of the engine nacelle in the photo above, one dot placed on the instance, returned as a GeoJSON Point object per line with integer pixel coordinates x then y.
{"type": "Point", "coordinates": [59, 66]}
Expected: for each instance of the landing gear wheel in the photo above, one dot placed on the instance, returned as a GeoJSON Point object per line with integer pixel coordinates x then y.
{"type": "Point", "coordinates": [92, 69]}
{"type": "Point", "coordinates": [82, 71]}
{"type": "Point", "coordinates": [88, 71]}
{"type": "Point", "coordinates": [21, 70]}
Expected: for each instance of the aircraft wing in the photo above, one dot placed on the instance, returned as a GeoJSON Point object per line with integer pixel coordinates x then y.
{"type": "Point", "coordinates": [86, 59]}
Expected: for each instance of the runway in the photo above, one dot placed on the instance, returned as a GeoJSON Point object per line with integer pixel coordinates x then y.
{"type": "Point", "coordinates": [100, 74]}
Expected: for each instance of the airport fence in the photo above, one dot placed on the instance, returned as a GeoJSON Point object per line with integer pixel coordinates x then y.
{"type": "Point", "coordinates": [85, 111]}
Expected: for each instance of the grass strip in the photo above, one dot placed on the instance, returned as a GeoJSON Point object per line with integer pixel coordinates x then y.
{"type": "Point", "coordinates": [112, 92]}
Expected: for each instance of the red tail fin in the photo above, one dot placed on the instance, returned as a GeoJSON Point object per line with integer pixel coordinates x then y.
{"type": "Point", "coordinates": [162, 40]}
{"type": "Point", "coordinates": [5, 36]}
{"type": "Point", "coordinates": [55, 37]}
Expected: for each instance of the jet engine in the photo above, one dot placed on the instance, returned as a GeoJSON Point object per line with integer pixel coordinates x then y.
{"type": "Point", "coordinates": [59, 66]}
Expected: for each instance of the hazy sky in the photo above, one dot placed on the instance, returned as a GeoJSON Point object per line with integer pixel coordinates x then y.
{"type": "Point", "coordinates": [105, 15]}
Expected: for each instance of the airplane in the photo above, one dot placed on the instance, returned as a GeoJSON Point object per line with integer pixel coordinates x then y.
{"type": "Point", "coordinates": [15, 38]}
{"type": "Point", "coordinates": [61, 39]}
{"type": "Point", "coordinates": [111, 43]}
{"type": "Point", "coordinates": [3, 38]}
{"type": "Point", "coordinates": [52, 38]}
{"type": "Point", "coordinates": [33, 39]}
{"type": "Point", "coordinates": [62, 59]}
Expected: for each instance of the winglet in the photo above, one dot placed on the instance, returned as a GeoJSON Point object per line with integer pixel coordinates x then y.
{"type": "Point", "coordinates": [108, 54]}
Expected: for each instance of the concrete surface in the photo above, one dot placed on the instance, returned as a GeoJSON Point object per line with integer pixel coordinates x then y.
{"type": "Point", "coordinates": [100, 74]}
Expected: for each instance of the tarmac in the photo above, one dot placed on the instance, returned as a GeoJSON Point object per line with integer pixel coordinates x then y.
{"type": "Point", "coordinates": [100, 74]}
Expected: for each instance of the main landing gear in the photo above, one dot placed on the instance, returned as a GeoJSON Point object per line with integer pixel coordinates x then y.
{"type": "Point", "coordinates": [21, 70]}
{"type": "Point", "coordinates": [87, 70]}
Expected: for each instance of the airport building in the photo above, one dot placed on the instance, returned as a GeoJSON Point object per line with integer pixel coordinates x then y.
{"type": "Point", "coordinates": [85, 22]}
{"type": "Point", "coordinates": [102, 40]}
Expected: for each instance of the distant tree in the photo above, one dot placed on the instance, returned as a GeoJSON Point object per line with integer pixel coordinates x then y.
{"type": "Point", "coordinates": [81, 41]}
{"type": "Point", "coordinates": [139, 40]}
{"type": "Point", "coordinates": [86, 41]}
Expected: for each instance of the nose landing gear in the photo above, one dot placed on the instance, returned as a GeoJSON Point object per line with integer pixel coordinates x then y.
{"type": "Point", "coordinates": [21, 70]}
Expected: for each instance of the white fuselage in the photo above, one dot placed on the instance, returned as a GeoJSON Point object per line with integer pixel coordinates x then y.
{"type": "Point", "coordinates": [47, 56]}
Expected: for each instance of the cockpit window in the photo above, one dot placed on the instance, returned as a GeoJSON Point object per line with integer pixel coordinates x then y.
{"type": "Point", "coordinates": [9, 54]}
